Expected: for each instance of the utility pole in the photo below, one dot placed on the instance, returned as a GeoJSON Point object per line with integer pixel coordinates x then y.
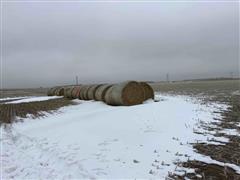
{"type": "Point", "coordinates": [76, 80]}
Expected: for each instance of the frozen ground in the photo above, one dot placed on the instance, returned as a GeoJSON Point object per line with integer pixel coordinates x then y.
{"type": "Point", "coordinates": [32, 99]}
{"type": "Point", "coordinates": [12, 98]}
{"type": "Point", "coordinates": [94, 140]}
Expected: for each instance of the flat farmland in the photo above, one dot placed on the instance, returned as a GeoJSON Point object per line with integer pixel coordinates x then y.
{"type": "Point", "coordinates": [10, 93]}
{"type": "Point", "coordinates": [191, 130]}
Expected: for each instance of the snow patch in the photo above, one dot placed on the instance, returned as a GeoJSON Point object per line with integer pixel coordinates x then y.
{"type": "Point", "coordinates": [33, 99]}
{"type": "Point", "coordinates": [94, 140]}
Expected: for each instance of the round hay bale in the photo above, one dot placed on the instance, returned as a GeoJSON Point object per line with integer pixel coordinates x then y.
{"type": "Point", "coordinates": [68, 92]}
{"type": "Point", "coordinates": [126, 94]}
{"type": "Point", "coordinates": [148, 91]}
{"type": "Point", "coordinates": [49, 92]}
{"type": "Point", "coordinates": [83, 92]}
{"type": "Point", "coordinates": [101, 91]}
{"type": "Point", "coordinates": [91, 91]}
{"type": "Point", "coordinates": [76, 92]}
{"type": "Point", "coordinates": [52, 91]}
{"type": "Point", "coordinates": [55, 91]}
{"type": "Point", "coordinates": [59, 91]}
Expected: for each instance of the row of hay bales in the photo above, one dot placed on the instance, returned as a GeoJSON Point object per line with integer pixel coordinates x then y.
{"type": "Point", "coordinates": [126, 93]}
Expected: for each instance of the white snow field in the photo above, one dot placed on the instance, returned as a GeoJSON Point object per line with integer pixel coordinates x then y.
{"type": "Point", "coordinates": [94, 140]}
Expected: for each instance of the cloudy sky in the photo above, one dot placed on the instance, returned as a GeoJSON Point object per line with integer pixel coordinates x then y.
{"type": "Point", "coordinates": [46, 44]}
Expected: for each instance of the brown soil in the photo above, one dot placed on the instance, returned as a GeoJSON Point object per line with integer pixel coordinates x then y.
{"type": "Point", "coordinates": [9, 112]}
{"type": "Point", "coordinates": [23, 92]}
{"type": "Point", "coordinates": [207, 171]}
{"type": "Point", "coordinates": [228, 152]}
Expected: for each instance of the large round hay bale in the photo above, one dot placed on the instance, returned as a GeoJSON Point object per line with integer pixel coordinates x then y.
{"type": "Point", "coordinates": [59, 91]}
{"type": "Point", "coordinates": [52, 91]}
{"type": "Point", "coordinates": [101, 91]}
{"type": "Point", "coordinates": [55, 91]}
{"type": "Point", "coordinates": [49, 92]}
{"type": "Point", "coordinates": [76, 92]}
{"type": "Point", "coordinates": [68, 92]}
{"type": "Point", "coordinates": [91, 91]}
{"type": "Point", "coordinates": [148, 90]}
{"type": "Point", "coordinates": [83, 92]}
{"type": "Point", "coordinates": [126, 94]}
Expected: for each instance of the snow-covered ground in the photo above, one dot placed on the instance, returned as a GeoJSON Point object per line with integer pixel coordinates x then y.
{"type": "Point", "coordinates": [33, 99]}
{"type": "Point", "coordinates": [94, 140]}
{"type": "Point", "coordinates": [12, 98]}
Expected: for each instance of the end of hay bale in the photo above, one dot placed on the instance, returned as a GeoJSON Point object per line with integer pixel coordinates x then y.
{"type": "Point", "coordinates": [83, 93]}
{"type": "Point", "coordinates": [126, 94]}
{"type": "Point", "coordinates": [91, 91]}
{"type": "Point", "coordinates": [52, 91]}
{"type": "Point", "coordinates": [75, 94]}
{"type": "Point", "coordinates": [49, 92]}
{"type": "Point", "coordinates": [148, 91]}
{"type": "Point", "coordinates": [68, 92]}
{"type": "Point", "coordinates": [59, 91]}
{"type": "Point", "coordinates": [101, 91]}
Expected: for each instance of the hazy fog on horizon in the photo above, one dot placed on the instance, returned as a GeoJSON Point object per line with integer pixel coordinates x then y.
{"type": "Point", "coordinates": [47, 44]}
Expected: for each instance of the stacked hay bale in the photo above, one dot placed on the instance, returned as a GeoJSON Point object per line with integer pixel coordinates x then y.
{"type": "Point", "coordinates": [59, 91]}
{"type": "Point", "coordinates": [126, 94]}
{"type": "Point", "coordinates": [52, 91]}
{"type": "Point", "coordinates": [75, 93]}
{"type": "Point", "coordinates": [49, 92]}
{"type": "Point", "coordinates": [91, 91]}
{"type": "Point", "coordinates": [68, 92]}
{"type": "Point", "coordinates": [101, 91]}
{"type": "Point", "coordinates": [83, 93]}
{"type": "Point", "coordinates": [148, 91]}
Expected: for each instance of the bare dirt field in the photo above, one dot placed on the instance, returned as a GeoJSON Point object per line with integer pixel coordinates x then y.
{"type": "Point", "coordinates": [8, 112]}
{"type": "Point", "coordinates": [4, 93]}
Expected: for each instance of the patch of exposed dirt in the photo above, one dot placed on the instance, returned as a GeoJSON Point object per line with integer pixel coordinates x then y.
{"type": "Point", "coordinates": [229, 152]}
{"type": "Point", "coordinates": [9, 112]}
{"type": "Point", "coordinates": [207, 171]}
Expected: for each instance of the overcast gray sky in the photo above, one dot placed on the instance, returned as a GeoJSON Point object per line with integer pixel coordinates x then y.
{"type": "Point", "coordinates": [46, 44]}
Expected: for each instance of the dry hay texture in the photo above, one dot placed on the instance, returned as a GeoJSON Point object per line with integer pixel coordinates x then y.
{"type": "Point", "coordinates": [68, 92]}
{"type": "Point", "coordinates": [92, 90]}
{"type": "Point", "coordinates": [127, 94]}
{"type": "Point", "coordinates": [12, 112]}
{"type": "Point", "coordinates": [75, 93]}
{"type": "Point", "coordinates": [56, 91]}
{"type": "Point", "coordinates": [59, 91]}
{"type": "Point", "coordinates": [148, 91]}
{"type": "Point", "coordinates": [101, 91]}
{"type": "Point", "coordinates": [83, 92]}
{"type": "Point", "coordinates": [51, 92]}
